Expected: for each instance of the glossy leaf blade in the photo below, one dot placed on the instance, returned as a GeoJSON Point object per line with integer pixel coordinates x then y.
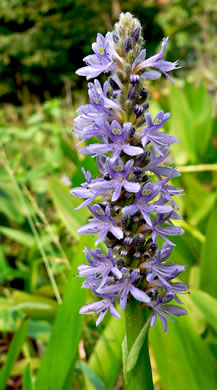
{"type": "Point", "coordinates": [66, 204]}
{"type": "Point", "coordinates": [183, 359]}
{"type": "Point", "coordinates": [209, 256]}
{"type": "Point", "coordinates": [13, 353]}
{"type": "Point", "coordinates": [61, 353]}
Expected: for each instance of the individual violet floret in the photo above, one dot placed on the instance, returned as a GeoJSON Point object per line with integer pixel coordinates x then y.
{"type": "Point", "coordinates": [161, 308]}
{"type": "Point", "coordinates": [100, 267]}
{"type": "Point", "coordinates": [102, 224]}
{"type": "Point", "coordinates": [101, 307]}
{"type": "Point", "coordinates": [135, 204]}
{"type": "Point", "coordinates": [101, 61]}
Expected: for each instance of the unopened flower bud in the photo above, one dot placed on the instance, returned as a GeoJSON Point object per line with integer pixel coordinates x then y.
{"type": "Point", "coordinates": [114, 84]}
{"type": "Point", "coordinates": [138, 110]}
{"type": "Point", "coordinates": [134, 79]}
{"type": "Point", "coordinates": [127, 44]}
{"type": "Point", "coordinates": [132, 93]}
{"type": "Point", "coordinates": [135, 34]}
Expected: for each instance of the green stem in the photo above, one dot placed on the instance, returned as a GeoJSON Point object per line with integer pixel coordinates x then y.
{"type": "Point", "coordinates": [140, 376]}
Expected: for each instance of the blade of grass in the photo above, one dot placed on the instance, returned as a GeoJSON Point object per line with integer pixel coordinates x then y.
{"type": "Point", "coordinates": [13, 353]}
{"type": "Point", "coordinates": [31, 223]}
{"type": "Point", "coordinates": [65, 205]}
{"type": "Point", "coordinates": [27, 378]}
{"type": "Point", "coordinates": [106, 358]}
{"type": "Point", "coordinates": [209, 255]}
{"type": "Point", "coordinates": [184, 354]}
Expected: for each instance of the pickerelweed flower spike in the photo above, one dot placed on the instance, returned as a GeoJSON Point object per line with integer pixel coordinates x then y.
{"type": "Point", "coordinates": [136, 207]}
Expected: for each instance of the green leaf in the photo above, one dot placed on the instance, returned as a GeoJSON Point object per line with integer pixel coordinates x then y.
{"type": "Point", "coordinates": [182, 357]}
{"type": "Point", "coordinates": [23, 238]}
{"type": "Point", "coordinates": [65, 205]}
{"type": "Point", "coordinates": [60, 355]}
{"type": "Point", "coordinates": [106, 358]}
{"type": "Point", "coordinates": [181, 127]}
{"type": "Point", "coordinates": [124, 355]}
{"type": "Point", "coordinates": [92, 376]}
{"type": "Point", "coordinates": [209, 256]}
{"type": "Point", "coordinates": [35, 306]}
{"type": "Point", "coordinates": [27, 378]}
{"type": "Point", "coordinates": [207, 305]}
{"type": "Point", "coordinates": [13, 353]}
{"type": "Point", "coordinates": [137, 346]}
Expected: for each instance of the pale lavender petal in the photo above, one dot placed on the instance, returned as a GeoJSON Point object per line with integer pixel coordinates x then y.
{"type": "Point", "coordinates": [101, 317]}
{"type": "Point", "coordinates": [131, 186]}
{"type": "Point", "coordinates": [132, 150]}
{"type": "Point", "coordinates": [130, 210]}
{"type": "Point", "coordinates": [114, 311]}
{"type": "Point", "coordinates": [139, 294]}
{"type": "Point", "coordinates": [117, 232]}
{"type": "Point", "coordinates": [116, 193]}
{"type": "Point", "coordinates": [151, 75]}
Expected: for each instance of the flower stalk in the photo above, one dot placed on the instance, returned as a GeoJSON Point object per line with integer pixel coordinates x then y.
{"type": "Point", "coordinates": [140, 376]}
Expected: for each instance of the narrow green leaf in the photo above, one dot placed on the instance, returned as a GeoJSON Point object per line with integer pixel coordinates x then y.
{"type": "Point", "coordinates": [27, 378]}
{"type": "Point", "coordinates": [181, 127]}
{"type": "Point", "coordinates": [182, 357]}
{"type": "Point", "coordinates": [106, 358]}
{"type": "Point", "coordinates": [209, 256]}
{"type": "Point", "coordinates": [92, 376]}
{"type": "Point", "coordinates": [124, 355]}
{"type": "Point", "coordinates": [13, 353]}
{"type": "Point", "coordinates": [61, 353]}
{"type": "Point", "coordinates": [23, 238]}
{"type": "Point", "coordinates": [35, 306]}
{"type": "Point", "coordinates": [137, 346]}
{"type": "Point", "coordinates": [66, 204]}
{"type": "Point", "coordinates": [207, 305]}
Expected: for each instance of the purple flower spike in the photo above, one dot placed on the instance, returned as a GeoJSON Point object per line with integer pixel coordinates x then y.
{"type": "Point", "coordinates": [131, 200]}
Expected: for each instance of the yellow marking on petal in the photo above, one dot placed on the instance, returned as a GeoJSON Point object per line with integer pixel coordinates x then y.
{"type": "Point", "coordinates": [116, 131]}
{"type": "Point", "coordinates": [118, 168]}
{"type": "Point", "coordinates": [95, 100]}
{"type": "Point", "coordinates": [101, 50]}
{"type": "Point", "coordinates": [100, 212]}
{"type": "Point", "coordinates": [146, 192]}
{"type": "Point", "coordinates": [157, 122]}
{"type": "Point", "coordinates": [99, 91]}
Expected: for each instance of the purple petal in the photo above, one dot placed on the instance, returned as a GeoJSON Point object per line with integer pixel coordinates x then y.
{"type": "Point", "coordinates": [116, 193]}
{"type": "Point", "coordinates": [151, 75]}
{"type": "Point", "coordinates": [101, 317]}
{"type": "Point", "coordinates": [139, 294]}
{"type": "Point", "coordinates": [96, 149]}
{"type": "Point", "coordinates": [130, 210]}
{"type": "Point", "coordinates": [117, 232]}
{"type": "Point", "coordinates": [114, 311]}
{"type": "Point", "coordinates": [131, 186]}
{"type": "Point", "coordinates": [132, 150]}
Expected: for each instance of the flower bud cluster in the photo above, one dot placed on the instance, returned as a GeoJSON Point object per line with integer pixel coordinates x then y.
{"type": "Point", "coordinates": [136, 202]}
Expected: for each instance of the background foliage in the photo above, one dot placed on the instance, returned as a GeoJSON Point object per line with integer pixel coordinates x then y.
{"type": "Point", "coordinates": [44, 342]}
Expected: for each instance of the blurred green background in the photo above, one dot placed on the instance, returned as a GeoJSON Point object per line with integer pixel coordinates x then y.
{"type": "Point", "coordinates": [45, 344]}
